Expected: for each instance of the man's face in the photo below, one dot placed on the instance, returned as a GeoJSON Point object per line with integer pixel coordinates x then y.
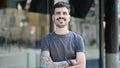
{"type": "Point", "coordinates": [61, 17]}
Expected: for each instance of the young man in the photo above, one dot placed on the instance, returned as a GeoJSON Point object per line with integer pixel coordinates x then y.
{"type": "Point", "coordinates": [63, 47]}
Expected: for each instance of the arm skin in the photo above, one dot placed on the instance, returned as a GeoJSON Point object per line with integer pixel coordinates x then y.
{"type": "Point", "coordinates": [81, 61]}
{"type": "Point", "coordinates": [46, 59]}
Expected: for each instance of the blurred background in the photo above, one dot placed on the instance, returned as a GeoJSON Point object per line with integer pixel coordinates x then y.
{"type": "Point", "coordinates": [24, 22]}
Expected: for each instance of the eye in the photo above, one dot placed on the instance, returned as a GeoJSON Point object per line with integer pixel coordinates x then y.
{"type": "Point", "coordinates": [57, 13]}
{"type": "Point", "coordinates": [65, 13]}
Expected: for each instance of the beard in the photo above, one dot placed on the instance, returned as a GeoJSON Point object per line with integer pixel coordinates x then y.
{"type": "Point", "coordinates": [60, 25]}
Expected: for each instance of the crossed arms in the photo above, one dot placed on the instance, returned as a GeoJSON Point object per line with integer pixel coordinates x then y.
{"type": "Point", "coordinates": [79, 62]}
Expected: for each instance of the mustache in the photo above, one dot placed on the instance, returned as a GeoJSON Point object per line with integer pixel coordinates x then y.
{"type": "Point", "coordinates": [61, 18]}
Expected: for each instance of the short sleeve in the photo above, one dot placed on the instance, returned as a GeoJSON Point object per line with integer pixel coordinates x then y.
{"type": "Point", "coordinates": [44, 44]}
{"type": "Point", "coordinates": [80, 44]}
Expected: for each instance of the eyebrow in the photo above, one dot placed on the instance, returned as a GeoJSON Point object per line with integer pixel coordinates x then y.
{"type": "Point", "coordinates": [62, 12]}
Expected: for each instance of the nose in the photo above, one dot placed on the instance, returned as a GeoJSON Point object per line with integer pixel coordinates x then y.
{"type": "Point", "coordinates": [61, 15]}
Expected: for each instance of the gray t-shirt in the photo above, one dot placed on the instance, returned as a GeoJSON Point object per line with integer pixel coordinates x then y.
{"type": "Point", "coordinates": [62, 47]}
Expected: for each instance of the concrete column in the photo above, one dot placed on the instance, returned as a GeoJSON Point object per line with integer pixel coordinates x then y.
{"type": "Point", "coordinates": [112, 60]}
{"type": "Point", "coordinates": [111, 34]}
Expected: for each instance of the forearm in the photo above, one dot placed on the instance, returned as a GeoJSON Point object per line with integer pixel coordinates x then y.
{"type": "Point", "coordinates": [55, 64]}
{"type": "Point", "coordinates": [45, 60]}
{"type": "Point", "coordinates": [62, 63]}
{"type": "Point", "coordinates": [65, 64]}
{"type": "Point", "coordinates": [77, 66]}
{"type": "Point", "coordinates": [81, 61]}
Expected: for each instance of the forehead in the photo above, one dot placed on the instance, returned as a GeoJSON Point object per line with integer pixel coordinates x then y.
{"type": "Point", "coordinates": [61, 9]}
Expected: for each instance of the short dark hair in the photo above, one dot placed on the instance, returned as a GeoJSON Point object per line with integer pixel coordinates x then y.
{"type": "Point", "coordinates": [61, 4]}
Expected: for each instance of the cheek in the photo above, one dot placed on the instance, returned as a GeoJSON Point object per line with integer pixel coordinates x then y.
{"type": "Point", "coordinates": [68, 19]}
{"type": "Point", "coordinates": [53, 19]}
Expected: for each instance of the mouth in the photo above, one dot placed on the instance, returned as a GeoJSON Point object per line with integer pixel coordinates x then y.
{"type": "Point", "coordinates": [61, 22]}
{"type": "Point", "coordinates": [61, 19]}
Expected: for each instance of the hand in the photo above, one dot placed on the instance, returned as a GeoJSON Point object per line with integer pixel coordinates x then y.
{"type": "Point", "coordinates": [74, 62]}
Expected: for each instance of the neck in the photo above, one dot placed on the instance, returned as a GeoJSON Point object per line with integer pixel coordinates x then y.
{"type": "Point", "coordinates": [61, 31]}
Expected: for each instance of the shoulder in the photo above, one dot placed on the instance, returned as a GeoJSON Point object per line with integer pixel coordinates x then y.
{"type": "Point", "coordinates": [47, 36]}
{"type": "Point", "coordinates": [75, 35]}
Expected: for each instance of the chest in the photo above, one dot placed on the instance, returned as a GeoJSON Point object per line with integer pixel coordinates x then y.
{"type": "Point", "coordinates": [65, 46]}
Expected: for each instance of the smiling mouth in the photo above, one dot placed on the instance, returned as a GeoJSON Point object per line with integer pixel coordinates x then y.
{"type": "Point", "coordinates": [61, 18]}
{"type": "Point", "coordinates": [61, 22]}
